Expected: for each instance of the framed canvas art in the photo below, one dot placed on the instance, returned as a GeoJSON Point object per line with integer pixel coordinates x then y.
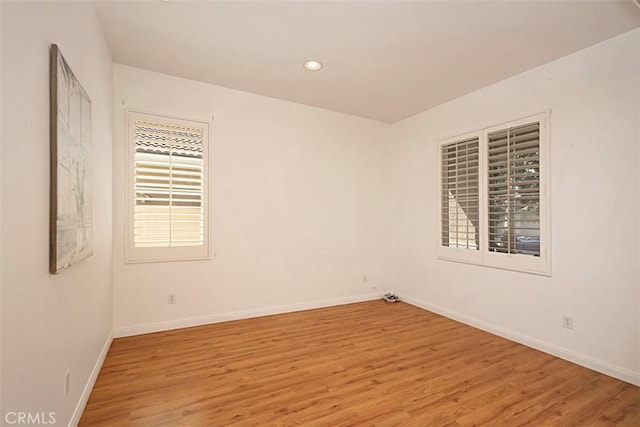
{"type": "Point", "coordinates": [70, 222]}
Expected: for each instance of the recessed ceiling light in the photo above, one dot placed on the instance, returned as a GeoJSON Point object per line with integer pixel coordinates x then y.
{"type": "Point", "coordinates": [312, 65]}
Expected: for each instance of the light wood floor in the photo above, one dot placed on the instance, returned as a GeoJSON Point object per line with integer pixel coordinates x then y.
{"type": "Point", "coordinates": [371, 363]}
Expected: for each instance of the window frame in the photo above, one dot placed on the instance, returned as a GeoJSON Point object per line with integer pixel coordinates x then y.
{"type": "Point", "coordinates": [135, 254]}
{"type": "Point", "coordinates": [540, 265]}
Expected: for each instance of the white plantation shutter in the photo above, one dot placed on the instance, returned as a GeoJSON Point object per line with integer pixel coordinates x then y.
{"type": "Point", "coordinates": [459, 194]}
{"type": "Point", "coordinates": [168, 215]}
{"type": "Point", "coordinates": [494, 200]}
{"type": "Point", "coordinates": [514, 190]}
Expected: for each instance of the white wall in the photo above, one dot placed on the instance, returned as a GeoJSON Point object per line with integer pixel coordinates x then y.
{"type": "Point", "coordinates": [299, 208]}
{"type": "Point", "coordinates": [594, 96]}
{"type": "Point", "coordinates": [50, 323]}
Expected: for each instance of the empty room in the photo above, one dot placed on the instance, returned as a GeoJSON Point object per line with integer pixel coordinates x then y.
{"type": "Point", "coordinates": [331, 213]}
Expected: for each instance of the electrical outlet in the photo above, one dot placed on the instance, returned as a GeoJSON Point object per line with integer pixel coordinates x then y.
{"type": "Point", "coordinates": [67, 382]}
{"type": "Point", "coordinates": [364, 278]}
{"type": "Point", "coordinates": [171, 299]}
{"type": "Point", "coordinates": [567, 322]}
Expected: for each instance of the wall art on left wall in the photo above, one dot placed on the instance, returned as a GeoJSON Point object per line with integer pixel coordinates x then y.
{"type": "Point", "coordinates": [70, 222]}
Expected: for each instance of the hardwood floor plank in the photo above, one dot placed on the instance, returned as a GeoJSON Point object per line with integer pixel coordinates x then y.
{"type": "Point", "coordinates": [369, 363]}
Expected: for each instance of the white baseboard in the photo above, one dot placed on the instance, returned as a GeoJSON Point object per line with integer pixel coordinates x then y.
{"type": "Point", "coordinates": [555, 350]}
{"type": "Point", "coordinates": [77, 413]}
{"type": "Point", "coordinates": [236, 315]}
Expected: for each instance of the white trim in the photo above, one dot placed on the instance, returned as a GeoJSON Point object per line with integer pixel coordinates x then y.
{"type": "Point", "coordinates": [603, 367]}
{"type": "Point", "coordinates": [88, 388]}
{"type": "Point", "coordinates": [237, 315]}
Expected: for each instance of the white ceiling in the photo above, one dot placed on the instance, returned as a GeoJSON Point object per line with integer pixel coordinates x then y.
{"type": "Point", "coordinates": [384, 60]}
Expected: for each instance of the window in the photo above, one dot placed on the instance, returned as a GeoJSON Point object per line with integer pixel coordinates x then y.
{"type": "Point", "coordinates": [493, 197]}
{"type": "Point", "coordinates": [459, 196]}
{"type": "Point", "coordinates": [168, 203]}
{"type": "Point", "coordinates": [514, 190]}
